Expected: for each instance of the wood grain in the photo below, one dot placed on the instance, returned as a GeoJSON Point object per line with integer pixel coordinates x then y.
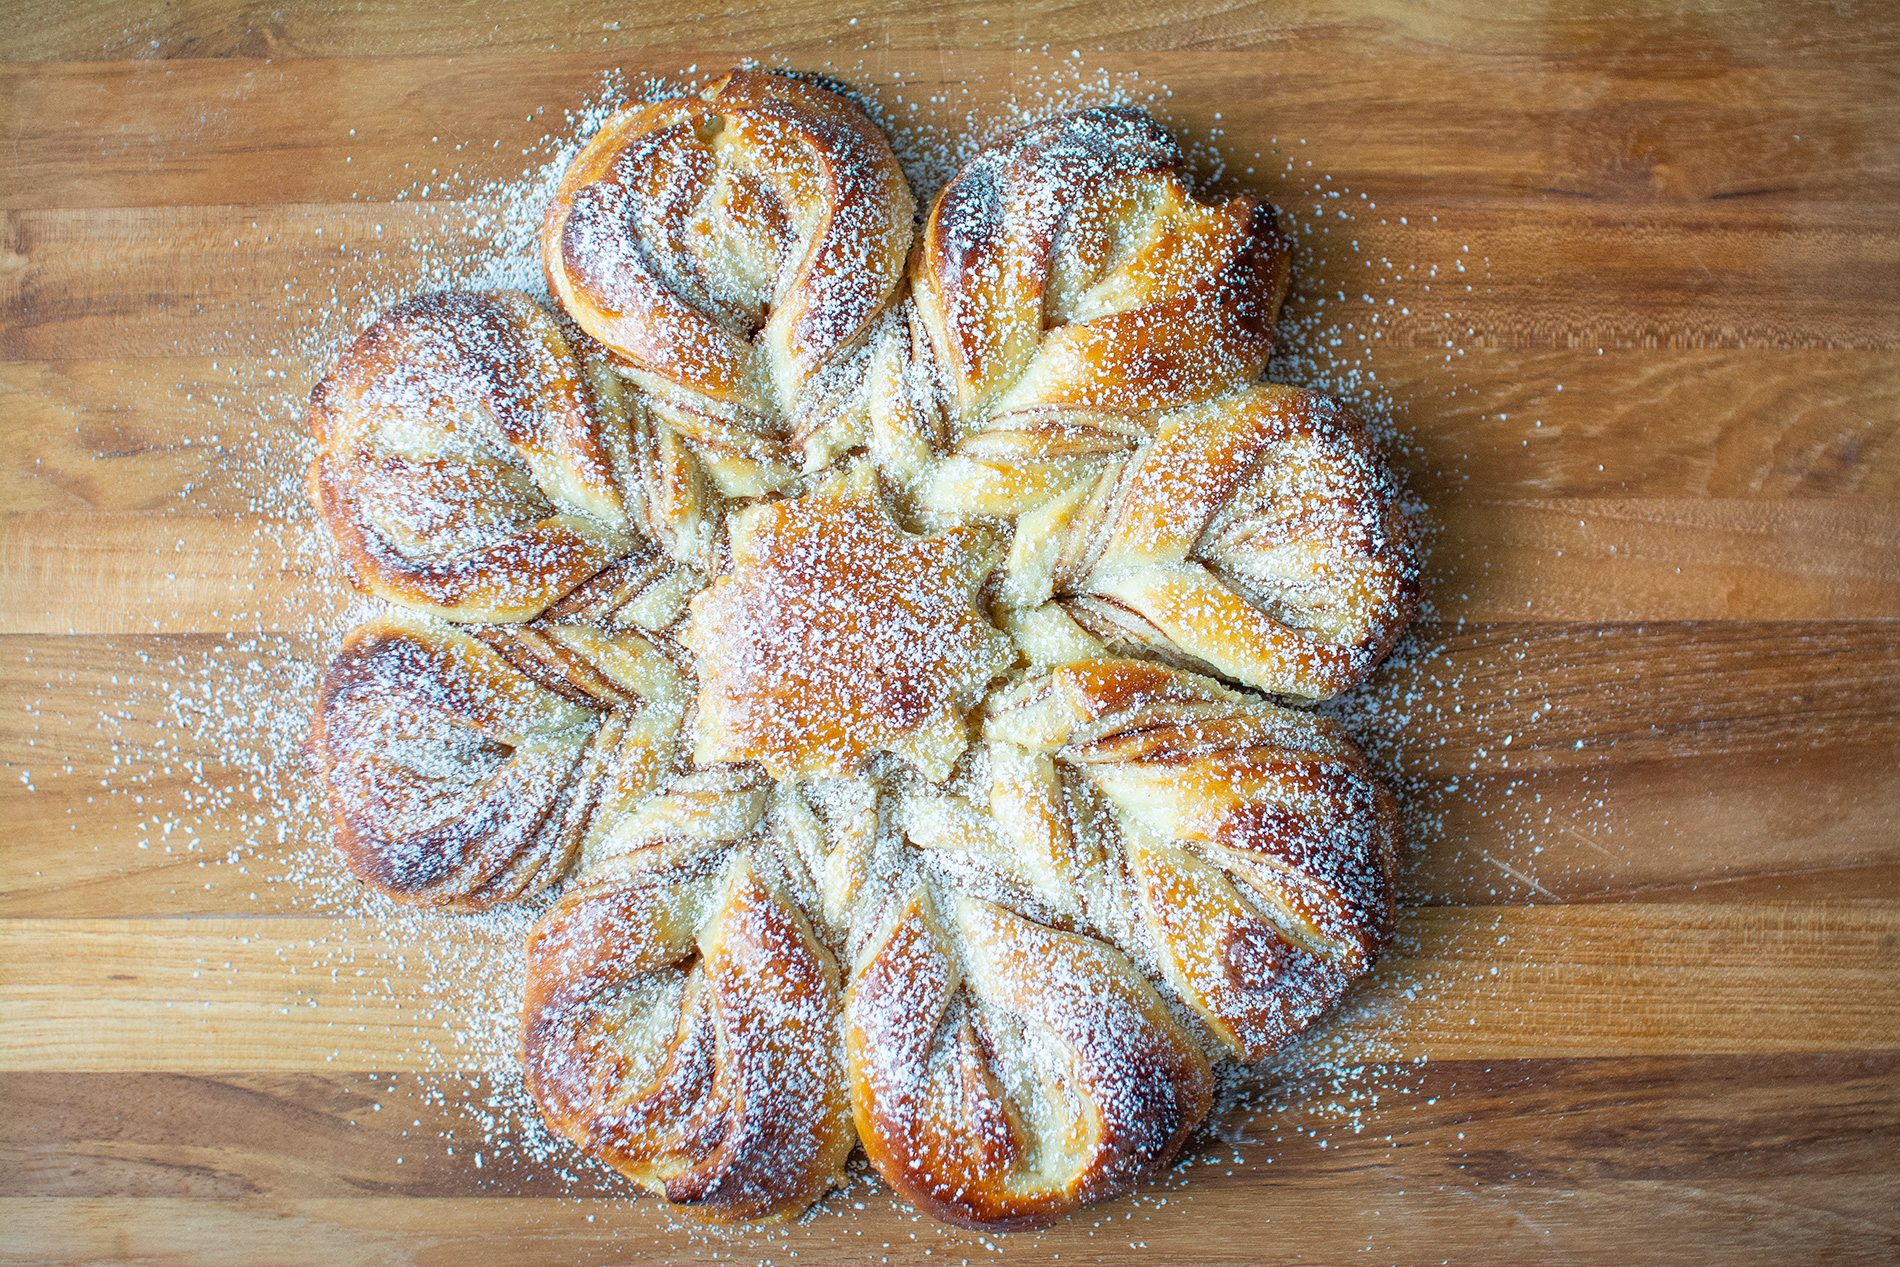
{"type": "Point", "coordinates": [1465, 982]}
{"type": "Point", "coordinates": [266, 279]}
{"type": "Point", "coordinates": [1741, 1150]}
{"type": "Point", "coordinates": [1646, 129]}
{"type": "Point", "coordinates": [1742, 33]}
{"type": "Point", "coordinates": [1619, 286]}
{"type": "Point", "coordinates": [1744, 1222]}
{"type": "Point", "coordinates": [304, 1136]}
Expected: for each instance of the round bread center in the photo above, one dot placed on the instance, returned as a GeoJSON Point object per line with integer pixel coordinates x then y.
{"type": "Point", "coordinates": [836, 634]}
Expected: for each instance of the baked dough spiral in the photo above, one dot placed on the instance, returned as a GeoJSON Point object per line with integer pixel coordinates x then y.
{"type": "Point", "coordinates": [734, 251]}
{"type": "Point", "coordinates": [464, 471]}
{"type": "Point", "coordinates": [464, 769]}
{"type": "Point", "coordinates": [681, 1023]}
{"type": "Point", "coordinates": [1068, 271]}
{"type": "Point", "coordinates": [1256, 536]}
{"type": "Point", "coordinates": [912, 744]}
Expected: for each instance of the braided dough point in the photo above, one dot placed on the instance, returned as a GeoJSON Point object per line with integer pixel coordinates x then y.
{"type": "Point", "coordinates": [734, 251]}
{"type": "Point", "coordinates": [463, 770]}
{"type": "Point", "coordinates": [1068, 266]}
{"type": "Point", "coordinates": [464, 472]}
{"type": "Point", "coordinates": [681, 1023]}
{"type": "Point", "coordinates": [1264, 849]}
{"type": "Point", "coordinates": [1258, 535]}
{"type": "Point", "coordinates": [1116, 1086]}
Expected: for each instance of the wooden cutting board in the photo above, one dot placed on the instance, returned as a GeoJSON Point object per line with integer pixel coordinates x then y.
{"type": "Point", "coordinates": [1624, 281]}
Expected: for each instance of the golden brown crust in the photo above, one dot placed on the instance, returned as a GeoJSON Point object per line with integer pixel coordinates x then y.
{"type": "Point", "coordinates": [1264, 851]}
{"type": "Point", "coordinates": [462, 470]}
{"type": "Point", "coordinates": [463, 771]}
{"type": "Point", "coordinates": [837, 634]}
{"type": "Point", "coordinates": [681, 1023]}
{"type": "Point", "coordinates": [732, 250]}
{"type": "Point", "coordinates": [1139, 870]}
{"type": "Point", "coordinates": [1258, 535]}
{"type": "Point", "coordinates": [1116, 1088]}
{"type": "Point", "coordinates": [1068, 267]}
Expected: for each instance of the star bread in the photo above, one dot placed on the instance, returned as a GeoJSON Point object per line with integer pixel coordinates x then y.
{"type": "Point", "coordinates": [889, 659]}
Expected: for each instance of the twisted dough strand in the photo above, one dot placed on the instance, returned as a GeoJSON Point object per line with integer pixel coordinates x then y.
{"type": "Point", "coordinates": [681, 1023]}
{"type": "Point", "coordinates": [1101, 1087]}
{"type": "Point", "coordinates": [733, 251]}
{"type": "Point", "coordinates": [462, 470]}
{"type": "Point", "coordinates": [1263, 850]}
{"type": "Point", "coordinates": [1257, 535]}
{"type": "Point", "coordinates": [1068, 266]}
{"type": "Point", "coordinates": [469, 769]}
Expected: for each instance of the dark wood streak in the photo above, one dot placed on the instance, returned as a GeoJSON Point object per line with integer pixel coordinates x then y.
{"type": "Point", "coordinates": [1583, 1124]}
{"type": "Point", "coordinates": [1688, 218]}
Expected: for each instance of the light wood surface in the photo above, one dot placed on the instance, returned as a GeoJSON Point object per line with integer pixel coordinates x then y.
{"type": "Point", "coordinates": [1636, 279]}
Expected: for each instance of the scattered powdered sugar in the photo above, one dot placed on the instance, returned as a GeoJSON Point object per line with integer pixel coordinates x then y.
{"type": "Point", "coordinates": [196, 741]}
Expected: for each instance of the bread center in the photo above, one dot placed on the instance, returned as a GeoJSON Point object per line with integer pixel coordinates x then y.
{"type": "Point", "coordinates": [835, 634]}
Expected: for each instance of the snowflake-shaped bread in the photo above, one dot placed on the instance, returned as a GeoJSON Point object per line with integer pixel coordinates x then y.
{"type": "Point", "coordinates": [886, 645]}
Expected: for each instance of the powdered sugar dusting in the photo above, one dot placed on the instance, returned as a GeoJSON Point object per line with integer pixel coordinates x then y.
{"type": "Point", "coordinates": [244, 697]}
